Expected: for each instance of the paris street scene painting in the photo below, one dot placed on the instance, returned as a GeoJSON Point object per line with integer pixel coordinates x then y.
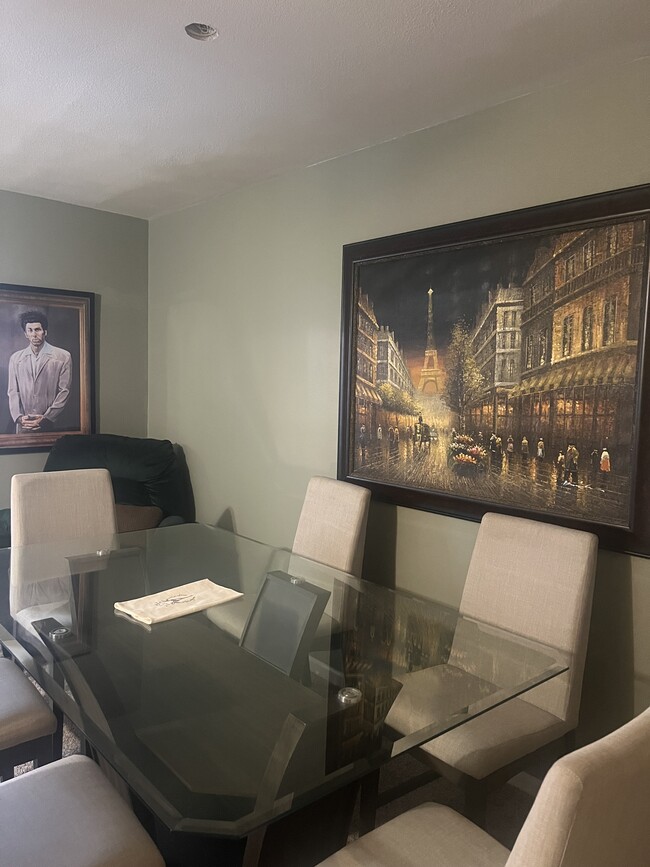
{"type": "Point", "coordinates": [504, 371]}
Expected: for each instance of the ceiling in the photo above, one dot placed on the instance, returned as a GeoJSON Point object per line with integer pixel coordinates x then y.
{"type": "Point", "coordinates": [108, 103]}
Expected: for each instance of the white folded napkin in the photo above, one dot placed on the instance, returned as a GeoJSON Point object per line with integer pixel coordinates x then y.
{"type": "Point", "coordinates": [177, 601]}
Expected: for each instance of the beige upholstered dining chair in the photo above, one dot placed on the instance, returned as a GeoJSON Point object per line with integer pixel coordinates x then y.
{"type": "Point", "coordinates": [68, 815]}
{"type": "Point", "coordinates": [47, 507]}
{"type": "Point", "coordinates": [331, 531]}
{"type": "Point", "coordinates": [50, 509]}
{"type": "Point", "coordinates": [332, 525]}
{"type": "Point", "coordinates": [536, 580]}
{"type": "Point", "coordinates": [27, 725]}
{"type": "Point", "coordinates": [591, 811]}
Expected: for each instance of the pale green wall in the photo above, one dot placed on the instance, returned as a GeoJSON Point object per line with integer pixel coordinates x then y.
{"type": "Point", "coordinates": [59, 246]}
{"type": "Point", "coordinates": [244, 319]}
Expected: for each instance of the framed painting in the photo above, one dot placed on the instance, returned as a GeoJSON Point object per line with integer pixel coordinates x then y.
{"type": "Point", "coordinates": [46, 366]}
{"type": "Point", "coordinates": [499, 364]}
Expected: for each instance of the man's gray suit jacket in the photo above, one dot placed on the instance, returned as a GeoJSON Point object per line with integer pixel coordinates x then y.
{"type": "Point", "coordinates": [47, 394]}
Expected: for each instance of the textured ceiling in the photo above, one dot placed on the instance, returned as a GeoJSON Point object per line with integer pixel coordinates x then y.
{"type": "Point", "coordinates": [109, 104]}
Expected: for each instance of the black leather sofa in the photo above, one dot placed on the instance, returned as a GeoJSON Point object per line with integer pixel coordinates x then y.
{"type": "Point", "coordinates": [151, 480]}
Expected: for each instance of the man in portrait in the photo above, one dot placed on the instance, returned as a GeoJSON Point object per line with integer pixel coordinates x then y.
{"type": "Point", "coordinates": [39, 378]}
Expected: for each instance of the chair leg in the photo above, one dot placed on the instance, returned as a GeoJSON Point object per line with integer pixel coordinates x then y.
{"type": "Point", "coordinates": [476, 796]}
{"type": "Point", "coordinates": [44, 753]}
{"type": "Point", "coordinates": [253, 848]}
{"type": "Point", "coordinates": [368, 802]}
{"type": "Point", "coordinates": [570, 741]}
{"type": "Point", "coordinates": [57, 737]}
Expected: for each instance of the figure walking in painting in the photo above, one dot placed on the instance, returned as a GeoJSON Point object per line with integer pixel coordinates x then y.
{"type": "Point", "coordinates": [571, 472]}
{"type": "Point", "coordinates": [605, 467]}
{"type": "Point", "coordinates": [393, 440]}
{"type": "Point", "coordinates": [417, 434]}
{"type": "Point", "coordinates": [363, 442]}
{"type": "Point", "coordinates": [559, 463]}
{"type": "Point", "coordinates": [541, 450]}
{"type": "Point", "coordinates": [422, 435]}
{"type": "Point", "coordinates": [498, 453]}
{"type": "Point", "coordinates": [524, 448]}
{"type": "Point", "coordinates": [393, 446]}
{"type": "Point", "coordinates": [510, 447]}
{"type": "Point", "coordinates": [492, 446]}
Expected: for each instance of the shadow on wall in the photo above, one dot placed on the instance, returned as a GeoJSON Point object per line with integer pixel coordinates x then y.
{"type": "Point", "coordinates": [226, 521]}
{"type": "Point", "coordinates": [608, 692]}
{"type": "Point", "coordinates": [381, 544]}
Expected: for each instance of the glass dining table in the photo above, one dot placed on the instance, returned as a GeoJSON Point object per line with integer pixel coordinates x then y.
{"type": "Point", "coordinates": [225, 720]}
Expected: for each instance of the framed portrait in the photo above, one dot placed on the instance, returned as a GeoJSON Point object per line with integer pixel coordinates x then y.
{"type": "Point", "coordinates": [46, 366]}
{"type": "Point", "coordinates": [499, 364]}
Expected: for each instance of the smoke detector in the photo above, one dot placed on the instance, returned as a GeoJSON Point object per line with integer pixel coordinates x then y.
{"type": "Point", "coordinates": [202, 32]}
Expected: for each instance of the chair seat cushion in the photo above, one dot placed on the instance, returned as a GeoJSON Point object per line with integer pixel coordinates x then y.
{"type": "Point", "coordinates": [68, 815]}
{"type": "Point", "coordinates": [496, 738]}
{"type": "Point", "coordinates": [232, 616]}
{"type": "Point", "coordinates": [433, 694]}
{"type": "Point", "coordinates": [24, 715]}
{"type": "Point", "coordinates": [131, 518]}
{"type": "Point", "coordinates": [428, 834]}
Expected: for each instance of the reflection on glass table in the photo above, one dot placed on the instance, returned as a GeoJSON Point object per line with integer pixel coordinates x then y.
{"type": "Point", "coordinates": [220, 734]}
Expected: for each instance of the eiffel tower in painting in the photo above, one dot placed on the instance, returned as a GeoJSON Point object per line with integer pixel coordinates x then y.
{"type": "Point", "coordinates": [430, 375]}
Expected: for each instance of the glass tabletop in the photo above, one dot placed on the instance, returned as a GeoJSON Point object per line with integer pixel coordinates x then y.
{"type": "Point", "coordinates": [224, 719]}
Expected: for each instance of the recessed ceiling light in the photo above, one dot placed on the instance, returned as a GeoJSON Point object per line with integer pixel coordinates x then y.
{"type": "Point", "coordinates": [202, 32]}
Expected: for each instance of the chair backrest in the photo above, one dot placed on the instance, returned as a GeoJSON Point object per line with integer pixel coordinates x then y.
{"type": "Point", "coordinates": [49, 507]}
{"type": "Point", "coordinates": [332, 524]}
{"type": "Point", "coordinates": [536, 580]}
{"type": "Point", "coordinates": [282, 623]}
{"type": "Point", "coordinates": [593, 808]}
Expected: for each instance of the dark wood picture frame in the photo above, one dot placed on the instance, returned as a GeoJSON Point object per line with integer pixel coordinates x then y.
{"type": "Point", "coordinates": [467, 346]}
{"type": "Point", "coordinates": [65, 375]}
